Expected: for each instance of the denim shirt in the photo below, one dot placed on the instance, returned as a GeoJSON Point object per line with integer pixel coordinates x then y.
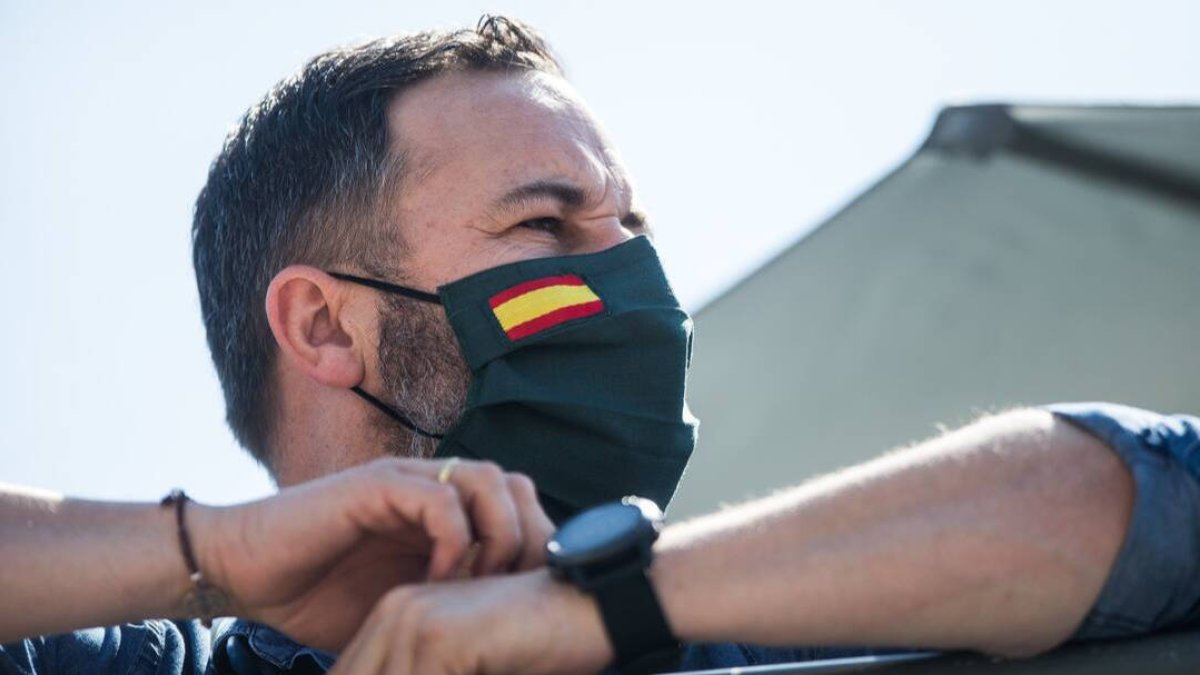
{"type": "Point", "coordinates": [1154, 583]}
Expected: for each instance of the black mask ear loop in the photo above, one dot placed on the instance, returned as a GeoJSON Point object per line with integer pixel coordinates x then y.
{"type": "Point", "coordinates": [394, 414]}
{"type": "Point", "coordinates": [388, 288]}
{"type": "Point", "coordinates": [408, 293]}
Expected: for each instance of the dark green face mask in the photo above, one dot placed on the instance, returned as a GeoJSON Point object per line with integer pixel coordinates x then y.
{"type": "Point", "coordinates": [579, 366]}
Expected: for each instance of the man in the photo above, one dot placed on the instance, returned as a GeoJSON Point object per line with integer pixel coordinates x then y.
{"type": "Point", "coordinates": [468, 153]}
{"type": "Point", "coordinates": [461, 170]}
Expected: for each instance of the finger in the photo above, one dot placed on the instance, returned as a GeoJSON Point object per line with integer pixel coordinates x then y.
{"type": "Point", "coordinates": [402, 656]}
{"type": "Point", "coordinates": [402, 643]}
{"type": "Point", "coordinates": [432, 648]}
{"type": "Point", "coordinates": [494, 516]}
{"type": "Point", "coordinates": [446, 525]}
{"type": "Point", "coordinates": [436, 509]}
{"type": "Point", "coordinates": [394, 501]}
{"type": "Point", "coordinates": [367, 652]}
{"type": "Point", "coordinates": [536, 526]}
{"type": "Point", "coordinates": [428, 661]}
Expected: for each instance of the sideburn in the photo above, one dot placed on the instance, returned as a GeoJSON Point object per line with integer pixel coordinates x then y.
{"type": "Point", "coordinates": [423, 373]}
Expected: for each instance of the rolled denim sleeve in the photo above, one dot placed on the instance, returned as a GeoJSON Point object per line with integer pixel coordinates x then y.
{"type": "Point", "coordinates": [1155, 581]}
{"type": "Point", "coordinates": [146, 648]}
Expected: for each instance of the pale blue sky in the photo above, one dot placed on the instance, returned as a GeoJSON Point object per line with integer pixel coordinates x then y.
{"type": "Point", "coordinates": [744, 124]}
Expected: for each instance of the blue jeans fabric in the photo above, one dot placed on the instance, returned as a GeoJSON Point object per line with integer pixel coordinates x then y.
{"type": "Point", "coordinates": [1154, 583]}
{"type": "Point", "coordinates": [146, 648]}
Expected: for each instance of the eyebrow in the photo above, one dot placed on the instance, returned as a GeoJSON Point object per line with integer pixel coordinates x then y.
{"type": "Point", "coordinates": [570, 196]}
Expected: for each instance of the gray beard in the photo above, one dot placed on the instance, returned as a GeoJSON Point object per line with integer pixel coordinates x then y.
{"type": "Point", "coordinates": [424, 375]}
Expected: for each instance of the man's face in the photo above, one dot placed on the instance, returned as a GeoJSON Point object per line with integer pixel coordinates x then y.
{"type": "Point", "coordinates": [503, 168]}
{"type": "Point", "coordinates": [498, 168]}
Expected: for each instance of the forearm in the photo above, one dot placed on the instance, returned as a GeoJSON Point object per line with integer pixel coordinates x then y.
{"type": "Point", "coordinates": [68, 564]}
{"type": "Point", "coordinates": [997, 537]}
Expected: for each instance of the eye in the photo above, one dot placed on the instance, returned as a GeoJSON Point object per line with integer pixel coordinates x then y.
{"type": "Point", "coordinates": [550, 225]}
{"type": "Point", "coordinates": [635, 222]}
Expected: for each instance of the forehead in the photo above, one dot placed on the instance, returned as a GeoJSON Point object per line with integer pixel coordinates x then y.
{"type": "Point", "coordinates": [486, 132]}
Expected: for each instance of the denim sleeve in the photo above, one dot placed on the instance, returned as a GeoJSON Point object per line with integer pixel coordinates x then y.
{"type": "Point", "coordinates": [1155, 580]}
{"type": "Point", "coordinates": [147, 648]}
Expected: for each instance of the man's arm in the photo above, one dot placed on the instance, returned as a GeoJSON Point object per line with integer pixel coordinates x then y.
{"type": "Point", "coordinates": [310, 561]}
{"type": "Point", "coordinates": [71, 564]}
{"type": "Point", "coordinates": [997, 537]}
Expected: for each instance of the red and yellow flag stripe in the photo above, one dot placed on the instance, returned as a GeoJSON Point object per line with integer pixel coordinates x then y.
{"type": "Point", "coordinates": [534, 306]}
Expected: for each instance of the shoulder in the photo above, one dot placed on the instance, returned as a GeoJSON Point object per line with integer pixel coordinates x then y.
{"type": "Point", "coordinates": [160, 646]}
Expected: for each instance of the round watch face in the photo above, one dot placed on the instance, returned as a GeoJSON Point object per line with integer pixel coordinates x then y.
{"type": "Point", "coordinates": [599, 528]}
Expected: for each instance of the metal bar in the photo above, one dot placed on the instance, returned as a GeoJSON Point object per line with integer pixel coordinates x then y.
{"type": "Point", "coordinates": [1164, 654]}
{"type": "Point", "coordinates": [980, 131]}
{"type": "Point", "coordinates": [854, 664]}
{"type": "Point", "coordinates": [1038, 145]}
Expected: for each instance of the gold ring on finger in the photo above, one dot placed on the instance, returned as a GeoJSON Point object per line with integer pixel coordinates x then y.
{"type": "Point", "coordinates": [444, 473]}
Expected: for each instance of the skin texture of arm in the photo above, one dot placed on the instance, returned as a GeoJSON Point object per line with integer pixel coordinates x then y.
{"type": "Point", "coordinates": [997, 537]}
{"type": "Point", "coordinates": [72, 563]}
{"type": "Point", "coordinates": [310, 561]}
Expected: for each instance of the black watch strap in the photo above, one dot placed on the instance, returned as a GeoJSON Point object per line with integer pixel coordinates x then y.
{"type": "Point", "coordinates": [636, 625]}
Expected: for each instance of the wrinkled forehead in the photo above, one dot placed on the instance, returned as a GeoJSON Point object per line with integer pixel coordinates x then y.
{"type": "Point", "coordinates": [483, 133]}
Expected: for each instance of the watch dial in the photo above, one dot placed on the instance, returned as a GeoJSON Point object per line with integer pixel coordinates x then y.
{"type": "Point", "coordinates": [597, 528]}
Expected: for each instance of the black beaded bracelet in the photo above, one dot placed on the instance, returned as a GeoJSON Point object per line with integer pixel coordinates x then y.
{"type": "Point", "coordinates": [204, 600]}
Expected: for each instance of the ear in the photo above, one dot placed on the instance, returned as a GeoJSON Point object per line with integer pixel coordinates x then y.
{"type": "Point", "coordinates": [317, 332]}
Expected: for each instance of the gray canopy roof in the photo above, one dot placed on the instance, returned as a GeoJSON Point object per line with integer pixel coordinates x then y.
{"type": "Point", "coordinates": [1024, 255]}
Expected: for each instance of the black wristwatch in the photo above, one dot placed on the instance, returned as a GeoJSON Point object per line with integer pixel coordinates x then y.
{"type": "Point", "coordinates": [606, 551]}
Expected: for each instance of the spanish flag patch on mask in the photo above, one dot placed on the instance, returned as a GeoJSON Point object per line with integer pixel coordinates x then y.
{"type": "Point", "coordinates": [540, 304]}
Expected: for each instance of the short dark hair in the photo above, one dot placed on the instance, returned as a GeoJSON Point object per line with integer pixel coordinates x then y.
{"type": "Point", "coordinates": [304, 178]}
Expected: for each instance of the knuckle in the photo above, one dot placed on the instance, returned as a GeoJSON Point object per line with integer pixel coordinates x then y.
{"type": "Point", "coordinates": [521, 484]}
{"type": "Point", "coordinates": [381, 465]}
{"type": "Point", "coordinates": [491, 472]}
{"type": "Point", "coordinates": [507, 542]}
{"type": "Point", "coordinates": [375, 472]}
{"type": "Point", "coordinates": [444, 494]}
{"type": "Point", "coordinates": [430, 629]}
{"type": "Point", "coordinates": [378, 481]}
{"type": "Point", "coordinates": [457, 539]}
{"type": "Point", "coordinates": [418, 608]}
{"type": "Point", "coordinates": [396, 601]}
{"type": "Point", "coordinates": [406, 610]}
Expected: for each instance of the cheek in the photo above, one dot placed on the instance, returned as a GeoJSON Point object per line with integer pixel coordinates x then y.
{"type": "Point", "coordinates": [434, 254]}
{"type": "Point", "coordinates": [460, 259]}
{"type": "Point", "coordinates": [514, 249]}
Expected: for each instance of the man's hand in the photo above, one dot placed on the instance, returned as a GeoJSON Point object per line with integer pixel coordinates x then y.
{"type": "Point", "coordinates": [313, 560]}
{"type": "Point", "coordinates": [525, 623]}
